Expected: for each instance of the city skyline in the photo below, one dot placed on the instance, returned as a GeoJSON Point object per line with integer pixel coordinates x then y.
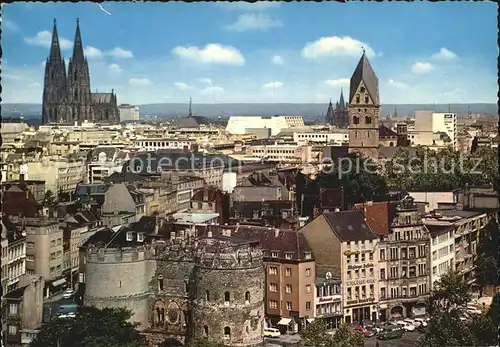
{"type": "Point", "coordinates": [263, 52]}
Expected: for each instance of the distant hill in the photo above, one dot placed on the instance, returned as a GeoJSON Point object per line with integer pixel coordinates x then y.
{"type": "Point", "coordinates": [308, 111]}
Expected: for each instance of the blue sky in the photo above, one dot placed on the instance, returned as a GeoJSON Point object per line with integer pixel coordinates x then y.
{"type": "Point", "coordinates": [264, 52]}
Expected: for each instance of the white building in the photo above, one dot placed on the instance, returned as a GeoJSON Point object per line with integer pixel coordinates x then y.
{"type": "Point", "coordinates": [238, 125]}
{"type": "Point", "coordinates": [428, 123]}
{"type": "Point", "coordinates": [442, 247]}
{"type": "Point", "coordinates": [335, 138]}
{"type": "Point", "coordinates": [154, 144]}
{"type": "Point", "coordinates": [59, 174]}
{"type": "Point", "coordinates": [281, 153]}
{"type": "Point", "coordinates": [128, 112]}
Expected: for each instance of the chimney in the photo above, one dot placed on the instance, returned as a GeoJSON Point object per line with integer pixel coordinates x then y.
{"type": "Point", "coordinates": [172, 235]}
{"type": "Point", "coordinates": [209, 234]}
{"type": "Point", "coordinates": [276, 232]}
{"type": "Point", "coordinates": [337, 209]}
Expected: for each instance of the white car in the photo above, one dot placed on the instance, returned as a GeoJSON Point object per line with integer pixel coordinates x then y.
{"type": "Point", "coordinates": [405, 325]}
{"type": "Point", "coordinates": [68, 293]}
{"type": "Point", "coordinates": [420, 322]}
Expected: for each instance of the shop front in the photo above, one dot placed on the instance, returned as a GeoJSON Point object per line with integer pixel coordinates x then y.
{"type": "Point", "coordinates": [357, 311]}
{"type": "Point", "coordinates": [329, 309]}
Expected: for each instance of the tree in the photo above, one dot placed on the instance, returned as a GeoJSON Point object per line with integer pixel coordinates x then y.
{"type": "Point", "coordinates": [447, 327]}
{"type": "Point", "coordinates": [360, 179]}
{"type": "Point", "coordinates": [316, 335]}
{"type": "Point", "coordinates": [345, 337]}
{"type": "Point", "coordinates": [487, 268]}
{"type": "Point", "coordinates": [92, 328]}
{"type": "Point", "coordinates": [49, 198]}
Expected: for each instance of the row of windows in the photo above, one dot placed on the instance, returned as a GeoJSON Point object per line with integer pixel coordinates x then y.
{"type": "Point", "coordinates": [273, 304]}
{"type": "Point", "coordinates": [273, 270]}
{"type": "Point", "coordinates": [398, 292]}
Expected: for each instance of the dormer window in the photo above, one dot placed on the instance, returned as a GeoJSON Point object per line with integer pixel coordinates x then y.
{"type": "Point", "coordinates": [140, 237]}
{"type": "Point", "coordinates": [307, 255]}
{"type": "Point", "coordinates": [288, 255]}
{"type": "Point", "coordinates": [130, 236]}
{"type": "Point", "coordinates": [275, 254]}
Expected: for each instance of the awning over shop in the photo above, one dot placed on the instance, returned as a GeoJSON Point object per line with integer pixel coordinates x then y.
{"type": "Point", "coordinates": [59, 282]}
{"type": "Point", "coordinates": [284, 321]}
{"type": "Point", "coordinates": [310, 320]}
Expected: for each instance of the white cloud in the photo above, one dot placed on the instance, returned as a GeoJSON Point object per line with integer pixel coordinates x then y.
{"type": "Point", "coordinates": [422, 67]}
{"type": "Point", "coordinates": [444, 54]}
{"type": "Point", "coordinates": [205, 81]}
{"type": "Point", "coordinates": [120, 53]}
{"type": "Point", "coordinates": [92, 52]}
{"type": "Point", "coordinates": [44, 39]}
{"type": "Point", "coordinates": [212, 90]}
{"type": "Point", "coordinates": [277, 60]}
{"type": "Point", "coordinates": [182, 86]}
{"type": "Point", "coordinates": [254, 21]}
{"type": "Point", "coordinates": [139, 82]}
{"type": "Point", "coordinates": [212, 53]}
{"type": "Point", "coordinates": [338, 82]}
{"type": "Point", "coordinates": [398, 85]}
{"type": "Point", "coordinates": [250, 6]}
{"type": "Point", "coordinates": [9, 25]}
{"type": "Point", "coordinates": [273, 85]}
{"type": "Point", "coordinates": [115, 68]}
{"type": "Point", "coordinates": [336, 46]}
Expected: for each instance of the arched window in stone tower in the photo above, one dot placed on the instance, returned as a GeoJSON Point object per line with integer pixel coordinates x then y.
{"type": "Point", "coordinates": [207, 295]}
{"type": "Point", "coordinates": [205, 330]}
{"type": "Point", "coordinates": [227, 332]}
{"type": "Point", "coordinates": [75, 76]}
{"type": "Point", "coordinates": [355, 120]}
{"type": "Point", "coordinates": [368, 120]}
{"type": "Point", "coordinates": [76, 94]}
{"type": "Point", "coordinates": [357, 99]}
{"type": "Point", "coordinates": [247, 297]}
{"type": "Point", "coordinates": [227, 297]}
{"type": "Point", "coordinates": [366, 99]}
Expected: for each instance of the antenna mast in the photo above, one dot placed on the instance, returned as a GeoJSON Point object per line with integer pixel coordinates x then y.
{"type": "Point", "coordinates": [190, 108]}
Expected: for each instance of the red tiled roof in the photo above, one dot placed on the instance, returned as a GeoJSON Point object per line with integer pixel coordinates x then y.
{"type": "Point", "coordinates": [384, 131]}
{"type": "Point", "coordinates": [17, 203]}
{"type": "Point", "coordinates": [378, 215]}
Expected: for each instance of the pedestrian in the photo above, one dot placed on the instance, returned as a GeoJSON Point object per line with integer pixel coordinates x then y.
{"type": "Point", "coordinates": [377, 344]}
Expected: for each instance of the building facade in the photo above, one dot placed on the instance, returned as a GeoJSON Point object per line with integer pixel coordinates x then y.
{"type": "Point", "coordinates": [66, 95]}
{"type": "Point", "coordinates": [404, 278]}
{"type": "Point", "coordinates": [328, 301]}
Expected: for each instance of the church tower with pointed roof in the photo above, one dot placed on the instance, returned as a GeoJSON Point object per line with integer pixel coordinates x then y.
{"type": "Point", "coordinates": [364, 110]}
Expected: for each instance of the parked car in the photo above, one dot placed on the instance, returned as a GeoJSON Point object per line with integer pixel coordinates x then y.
{"type": "Point", "coordinates": [420, 322]}
{"type": "Point", "coordinates": [271, 332]}
{"type": "Point", "coordinates": [391, 332]}
{"type": "Point", "coordinates": [68, 293]}
{"type": "Point", "coordinates": [405, 325]}
{"type": "Point", "coordinates": [363, 331]}
{"type": "Point", "coordinates": [377, 328]}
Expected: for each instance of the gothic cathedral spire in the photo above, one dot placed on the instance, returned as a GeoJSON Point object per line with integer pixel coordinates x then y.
{"type": "Point", "coordinates": [55, 49]}
{"type": "Point", "coordinates": [78, 56]}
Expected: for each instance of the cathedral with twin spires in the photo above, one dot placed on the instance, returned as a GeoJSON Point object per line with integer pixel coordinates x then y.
{"type": "Point", "coordinates": [67, 96]}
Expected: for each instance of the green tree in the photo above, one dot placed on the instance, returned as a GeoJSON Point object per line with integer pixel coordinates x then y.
{"type": "Point", "coordinates": [92, 328]}
{"type": "Point", "coordinates": [49, 198]}
{"type": "Point", "coordinates": [316, 335]}
{"type": "Point", "coordinates": [345, 337]}
{"type": "Point", "coordinates": [447, 326]}
{"type": "Point", "coordinates": [360, 179]}
{"type": "Point", "coordinates": [487, 268]}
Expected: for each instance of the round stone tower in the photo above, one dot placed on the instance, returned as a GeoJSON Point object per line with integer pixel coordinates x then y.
{"type": "Point", "coordinates": [119, 277]}
{"type": "Point", "coordinates": [228, 306]}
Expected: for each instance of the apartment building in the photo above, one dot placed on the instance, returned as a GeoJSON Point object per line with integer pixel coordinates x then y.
{"type": "Point", "coordinates": [442, 251]}
{"type": "Point", "coordinates": [464, 228]}
{"type": "Point", "coordinates": [60, 174]}
{"type": "Point", "coordinates": [44, 250]}
{"type": "Point", "coordinates": [103, 162]}
{"type": "Point", "coordinates": [155, 144]}
{"type": "Point", "coordinates": [328, 301]}
{"type": "Point", "coordinates": [238, 125]}
{"type": "Point", "coordinates": [344, 245]}
{"type": "Point", "coordinates": [128, 112]}
{"type": "Point", "coordinates": [403, 264]}
{"type": "Point", "coordinates": [332, 137]}
{"type": "Point", "coordinates": [22, 312]}
{"type": "Point", "coordinates": [428, 123]}
{"type": "Point", "coordinates": [292, 153]}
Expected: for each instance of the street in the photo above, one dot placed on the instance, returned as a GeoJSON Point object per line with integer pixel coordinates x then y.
{"type": "Point", "coordinates": [410, 339]}
{"type": "Point", "coordinates": [52, 304]}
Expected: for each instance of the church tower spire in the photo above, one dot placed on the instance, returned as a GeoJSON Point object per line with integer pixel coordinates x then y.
{"type": "Point", "coordinates": [342, 102]}
{"type": "Point", "coordinates": [78, 56]}
{"type": "Point", "coordinates": [55, 49]}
